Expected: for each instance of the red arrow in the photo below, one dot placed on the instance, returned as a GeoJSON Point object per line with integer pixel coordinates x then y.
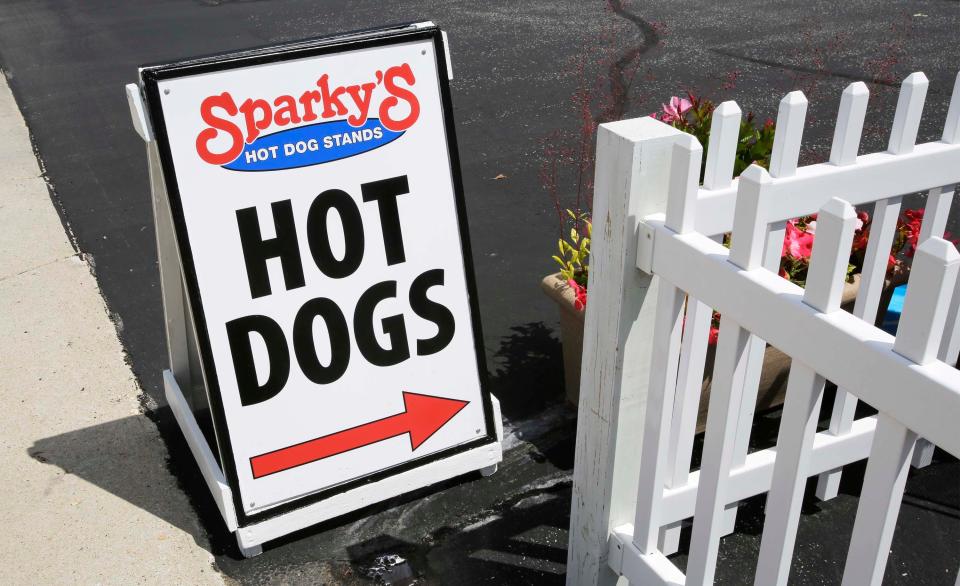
{"type": "Point", "coordinates": [422, 416]}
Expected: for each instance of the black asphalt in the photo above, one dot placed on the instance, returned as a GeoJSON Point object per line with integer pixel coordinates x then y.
{"type": "Point", "coordinates": [517, 68]}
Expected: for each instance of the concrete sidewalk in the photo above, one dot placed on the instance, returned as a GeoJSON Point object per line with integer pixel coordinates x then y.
{"type": "Point", "coordinates": [86, 496]}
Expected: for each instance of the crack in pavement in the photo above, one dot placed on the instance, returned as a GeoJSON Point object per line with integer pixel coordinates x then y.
{"type": "Point", "coordinates": [619, 86]}
{"type": "Point", "coordinates": [39, 266]}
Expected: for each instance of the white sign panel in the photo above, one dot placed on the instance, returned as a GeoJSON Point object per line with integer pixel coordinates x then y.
{"type": "Point", "coordinates": [320, 220]}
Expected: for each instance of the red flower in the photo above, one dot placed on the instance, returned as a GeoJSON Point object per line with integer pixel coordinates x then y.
{"type": "Point", "coordinates": [862, 234]}
{"type": "Point", "coordinates": [911, 227]}
{"type": "Point", "coordinates": [714, 335]}
{"type": "Point", "coordinates": [714, 328]}
{"type": "Point", "coordinates": [581, 294]}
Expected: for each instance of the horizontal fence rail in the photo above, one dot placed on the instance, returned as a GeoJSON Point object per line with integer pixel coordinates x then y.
{"type": "Point", "coordinates": [670, 227]}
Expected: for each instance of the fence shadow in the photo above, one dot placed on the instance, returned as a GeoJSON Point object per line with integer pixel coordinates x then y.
{"type": "Point", "coordinates": [526, 375]}
{"type": "Point", "coordinates": [527, 370]}
{"type": "Point", "coordinates": [522, 541]}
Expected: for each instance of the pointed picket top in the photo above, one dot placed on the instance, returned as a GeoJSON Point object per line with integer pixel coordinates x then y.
{"type": "Point", "coordinates": [836, 223]}
{"type": "Point", "coordinates": [846, 135]}
{"type": "Point", "coordinates": [722, 152]}
{"type": "Point", "coordinates": [951, 129]}
{"type": "Point", "coordinates": [684, 182]}
{"type": "Point", "coordinates": [749, 219]}
{"type": "Point", "coordinates": [932, 279]}
{"type": "Point", "coordinates": [787, 140]}
{"type": "Point", "coordinates": [906, 122]}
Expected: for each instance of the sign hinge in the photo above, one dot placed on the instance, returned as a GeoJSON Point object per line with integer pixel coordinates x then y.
{"type": "Point", "coordinates": [138, 112]}
{"type": "Point", "coordinates": [446, 52]}
{"type": "Point", "coordinates": [645, 242]}
{"type": "Point", "coordinates": [615, 545]}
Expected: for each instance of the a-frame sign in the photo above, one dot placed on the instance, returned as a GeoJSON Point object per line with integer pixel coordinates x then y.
{"type": "Point", "coordinates": [321, 311]}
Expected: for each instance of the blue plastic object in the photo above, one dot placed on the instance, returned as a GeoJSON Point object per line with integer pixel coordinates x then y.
{"type": "Point", "coordinates": [892, 317]}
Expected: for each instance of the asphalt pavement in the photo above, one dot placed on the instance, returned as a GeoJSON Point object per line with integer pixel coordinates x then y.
{"type": "Point", "coordinates": [518, 69]}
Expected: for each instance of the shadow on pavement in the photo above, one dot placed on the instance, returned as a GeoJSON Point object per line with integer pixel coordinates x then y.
{"type": "Point", "coordinates": [522, 541]}
{"type": "Point", "coordinates": [512, 524]}
{"type": "Point", "coordinates": [115, 457]}
{"type": "Point", "coordinates": [527, 371]}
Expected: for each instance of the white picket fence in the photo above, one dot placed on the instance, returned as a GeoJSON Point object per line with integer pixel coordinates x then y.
{"type": "Point", "coordinates": [657, 269]}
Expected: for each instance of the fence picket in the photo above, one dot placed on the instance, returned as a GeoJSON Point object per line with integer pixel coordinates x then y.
{"type": "Point", "coordinates": [846, 135]}
{"type": "Point", "coordinates": [722, 150]}
{"type": "Point", "coordinates": [684, 181]}
{"type": "Point", "coordinates": [934, 223]}
{"type": "Point", "coordinates": [656, 427]}
{"type": "Point", "coordinates": [906, 121]}
{"type": "Point", "coordinates": [718, 174]}
{"type": "Point", "coordinates": [879, 503]}
{"type": "Point", "coordinates": [654, 464]}
{"type": "Point", "coordinates": [872, 280]}
{"type": "Point", "coordinates": [722, 417]}
{"type": "Point", "coordinates": [935, 268]}
{"type": "Point", "coordinates": [686, 406]}
{"type": "Point", "coordinates": [830, 257]}
{"type": "Point", "coordinates": [950, 345]}
{"type": "Point", "coordinates": [934, 274]}
{"type": "Point", "coordinates": [798, 424]}
{"type": "Point", "coordinates": [935, 213]}
{"type": "Point", "coordinates": [951, 128]}
{"type": "Point", "coordinates": [786, 142]}
{"type": "Point", "coordinates": [730, 370]}
{"type": "Point", "coordinates": [749, 219]}
{"type": "Point", "coordinates": [783, 163]}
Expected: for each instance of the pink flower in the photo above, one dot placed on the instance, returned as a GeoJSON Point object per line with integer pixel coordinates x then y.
{"type": "Point", "coordinates": [675, 109]}
{"type": "Point", "coordinates": [581, 294]}
{"type": "Point", "coordinates": [797, 243]}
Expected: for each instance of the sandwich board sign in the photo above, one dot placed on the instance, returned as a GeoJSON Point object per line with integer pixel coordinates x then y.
{"type": "Point", "coordinates": [314, 196]}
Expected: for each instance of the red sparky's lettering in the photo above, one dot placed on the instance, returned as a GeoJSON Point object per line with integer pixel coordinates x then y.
{"type": "Point", "coordinates": [230, 126]}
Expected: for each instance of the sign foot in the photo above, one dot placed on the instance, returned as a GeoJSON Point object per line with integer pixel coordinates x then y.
{"type": "Point", "coordinates": [248, 552]}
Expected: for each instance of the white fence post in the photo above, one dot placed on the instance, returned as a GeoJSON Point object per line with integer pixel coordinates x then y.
{"type": "Point", "coordinates": [632, 175]}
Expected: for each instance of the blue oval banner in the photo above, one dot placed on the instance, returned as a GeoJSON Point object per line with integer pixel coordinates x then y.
{"type": "Point", "coordinates": [314, 144]}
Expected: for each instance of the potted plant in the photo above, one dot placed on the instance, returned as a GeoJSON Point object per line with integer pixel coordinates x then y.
{"type": "Point", "coordinates": [568, 287]}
